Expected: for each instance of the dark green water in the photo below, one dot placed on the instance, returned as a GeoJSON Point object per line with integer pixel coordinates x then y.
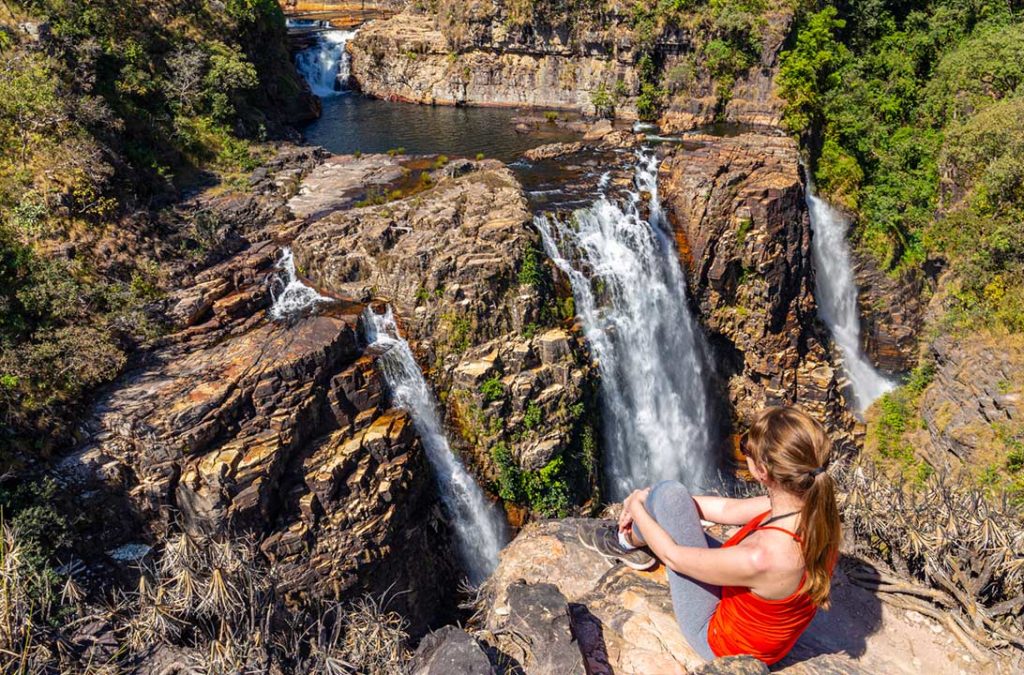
{"type": "Point", "coordinates": [352, 122]}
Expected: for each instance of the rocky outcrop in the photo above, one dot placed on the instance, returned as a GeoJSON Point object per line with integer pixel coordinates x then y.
{"type": "Point", "coordinates": [342, 180]}
{"type": "Point", "coordinates": [548, 587]}
{"type": "Point", "coordinates": [237, 424]}
{"type": "Point", "coordinates": [891, 313]}
{"type": "Point", "coordinates": [736, 205]}
{"type": "Point", "coordinates": [450, 651]}
{"type": "Point", "coordinates": [751, 100]}
{"type": "Point", "coordinates": [460, 264]}
{"type": "Point", "coordinates": [481, 57]}
{"type": "Point", "coordinates": [974, 406]}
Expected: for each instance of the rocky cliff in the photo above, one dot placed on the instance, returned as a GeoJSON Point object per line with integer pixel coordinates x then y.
{"type": "Point", "coordinates": [238, 424]}
{"type": "Point", "coordinates": [737, 208]}
{"type": "Point", "coordinates": [460, 263]}
{"type": "Point", "coordinates": [625, 60]}
{"type": "Point", "coordinates": [483, 59]}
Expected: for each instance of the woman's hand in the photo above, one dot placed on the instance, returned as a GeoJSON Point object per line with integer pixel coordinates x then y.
{"type": "Point", "coordinates": [637, 499]}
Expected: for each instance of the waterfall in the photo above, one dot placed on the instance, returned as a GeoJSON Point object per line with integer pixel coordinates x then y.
{"type": "Point", "coordinates": [290, 296]}
{"type": "Point", "coordinates": [836, 294]}
{"type": "Point", "coordinates": [630, 294]}
{"type": "Point", "coordinates": [325, 65]}
{"type": "Point", "coordinates": [480, 530]}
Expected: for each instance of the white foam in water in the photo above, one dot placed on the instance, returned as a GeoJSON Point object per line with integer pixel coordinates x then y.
{"type": "Point", "coordinates": [325, 65]}
{"type": "Point", "coordinates": [291, 297]}
{"type": "Point", "coordinates": [630, 294]}
{"type": "Point", "coordinates": [836, 293]}
{"type": "Point", "coordinates": [480, 530]}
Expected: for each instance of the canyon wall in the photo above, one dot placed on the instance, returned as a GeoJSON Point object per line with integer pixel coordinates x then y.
{"type": "Point", "coordinates": [590, 60]}
{"type": "Point", "coordinates": [460, 263]}
{"type": "Point", "coordinates": [737, 208]}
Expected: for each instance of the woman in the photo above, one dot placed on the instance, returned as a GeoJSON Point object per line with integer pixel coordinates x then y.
{"type": "Point", "coordinates": [758, 592]}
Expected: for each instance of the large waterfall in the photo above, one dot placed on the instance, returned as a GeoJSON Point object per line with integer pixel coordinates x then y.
{"type": "Point", "coordinates": [630, 294]}
{"type": "Point", "coordinates": [480, 530]}
{"type": "Point", "coordinates": [291, 296]}
{"type": "Point", "coordinates": [836, 293]}
{"type": "Point", "coordinates": [325, 65]}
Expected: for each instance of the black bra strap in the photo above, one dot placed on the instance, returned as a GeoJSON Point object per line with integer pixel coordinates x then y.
{"type": "Point", "coordinates": [772, 520]}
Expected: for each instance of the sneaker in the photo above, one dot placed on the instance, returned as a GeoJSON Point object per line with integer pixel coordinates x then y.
{"type": "Point", "coordinates": [604, 539]}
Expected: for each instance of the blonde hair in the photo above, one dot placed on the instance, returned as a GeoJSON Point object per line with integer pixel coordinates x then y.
{"type": "Point", "coordinates": [795, 450]}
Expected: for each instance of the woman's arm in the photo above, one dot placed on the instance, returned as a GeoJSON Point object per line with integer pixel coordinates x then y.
{"type": "Point", "coordinates": [734, 566]}
{"type": "Point", "coordinates": [731, 511]}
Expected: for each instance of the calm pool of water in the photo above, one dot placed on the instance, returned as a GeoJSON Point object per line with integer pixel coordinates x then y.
{"type": "Point", "coordinates": [352, 122]}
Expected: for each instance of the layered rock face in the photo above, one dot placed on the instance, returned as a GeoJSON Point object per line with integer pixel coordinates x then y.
{"type": "Point", "coordinates": [451, 261]}
{"type": "Point", "coordinates": [737, 208]}
{"type": "Point", "coordinates": [752, 100]}
{"type": "Point", "coordinates": [892, 315]}
{"type": "Point", "coordinates": [973, 406]}
{"type": "Point", "coordinates": [580, 58]}
{"type": "Point", "coordinates": [482, 58]}
{"type": "Point", "coordinates": [237, 424]}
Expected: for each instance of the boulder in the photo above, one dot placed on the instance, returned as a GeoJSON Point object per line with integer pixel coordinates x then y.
{"type": "Point", "coordinates": [449, 651]}
{"type": "Point", "coordinates": [552, 150]}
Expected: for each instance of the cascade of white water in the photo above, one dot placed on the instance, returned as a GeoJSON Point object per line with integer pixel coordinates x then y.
{"type": "Point", "coordinates": [836, 293]}
{"type": "Point", "coordinates": [480, 530]}
{"type": "Point", "coordinates": [630, 294]}
{"type": "Point", "coordinates": [290, 296]}
{"type": "Point", "coordinates": [325, 65]}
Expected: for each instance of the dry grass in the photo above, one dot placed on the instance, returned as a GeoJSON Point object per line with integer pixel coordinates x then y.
{"type": "Point", "coordinates": [954, 554]}
{"type": "Point", "coordinates": [212, 601]}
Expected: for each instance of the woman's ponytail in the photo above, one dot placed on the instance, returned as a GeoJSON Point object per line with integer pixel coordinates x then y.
{"type": "Point", "coordinates": [795, 450]}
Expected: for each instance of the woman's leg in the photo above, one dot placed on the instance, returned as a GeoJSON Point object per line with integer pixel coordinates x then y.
{"type": "Point", "coordinates": [671, 505]}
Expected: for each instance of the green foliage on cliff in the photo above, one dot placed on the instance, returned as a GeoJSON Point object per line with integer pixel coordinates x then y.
{"type": "Point", "coordinates": [913, 118]}
{"type": "Point", "coordinates": [109, 108]}
{"type": "Point", "coordinates": [545, 491]}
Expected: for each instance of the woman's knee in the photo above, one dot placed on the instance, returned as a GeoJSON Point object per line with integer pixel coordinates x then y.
{"type": "Point", "coordinates": [667, 492]}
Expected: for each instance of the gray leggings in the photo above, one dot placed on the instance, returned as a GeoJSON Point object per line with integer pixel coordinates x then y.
{"type": "Point", "coordinates": [671, 505]}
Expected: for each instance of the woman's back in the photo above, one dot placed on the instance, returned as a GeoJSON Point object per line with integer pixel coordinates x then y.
{"type": "Point", "coordinates": [764, 626]}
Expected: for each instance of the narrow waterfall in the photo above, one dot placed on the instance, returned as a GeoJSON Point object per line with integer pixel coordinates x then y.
{"type": "Point", "coordinates": [836, 293]}
{"type": "Point", "coordinates": [480, 530]}
{"type": "Point", "coordinates": [291, 296]}
{"type": "Point", "coordinates": [630, 294]}
{"type": "Point", "coordinates": [325, 65]}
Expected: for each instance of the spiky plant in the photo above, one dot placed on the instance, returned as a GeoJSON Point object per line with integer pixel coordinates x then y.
{"type": "Point", "coordinates": [954, 554]}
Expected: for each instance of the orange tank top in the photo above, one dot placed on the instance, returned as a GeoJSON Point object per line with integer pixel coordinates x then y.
{"type": "Point", "coordinates": [746, 623]}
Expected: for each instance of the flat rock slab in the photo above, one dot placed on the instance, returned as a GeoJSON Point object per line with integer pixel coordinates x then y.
{"type": "Point", "coordinates": [341, 181]}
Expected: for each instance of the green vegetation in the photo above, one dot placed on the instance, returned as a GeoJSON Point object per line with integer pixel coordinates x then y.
{"type": "Point", "coordinates": [545, 491]}
{"type": "Point", "coordinates": [895, 416]}
{"type": "Point", "coordinates": [913, 118]}
{"type": "Point", "coordinates": [532, 416]}
{"type": "Point", "coordinates": [492, 389]}
{"type": "Point", "coordinates": [127, 104]}
{"type": "Point", "coordinates": [531, 268]}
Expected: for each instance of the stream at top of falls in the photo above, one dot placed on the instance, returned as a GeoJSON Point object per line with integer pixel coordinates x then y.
{"type": "Point", "coordinates": [630, 294]}
{"type": "Point", "coordinates": [480, 528]}
{"type": "Point", "coordinates": [289, 295]}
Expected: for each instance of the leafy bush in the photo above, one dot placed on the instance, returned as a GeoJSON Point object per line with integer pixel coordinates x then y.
{"type": "Point", "coordinates": [492, 389]}
{"type": "Point", "coordinates": [532, 416]}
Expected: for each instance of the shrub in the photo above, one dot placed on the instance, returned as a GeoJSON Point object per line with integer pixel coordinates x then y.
{"type": "Point", "coordinates": [532, 416]}
{"type": "Point", "coordinates": [492, 389]}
